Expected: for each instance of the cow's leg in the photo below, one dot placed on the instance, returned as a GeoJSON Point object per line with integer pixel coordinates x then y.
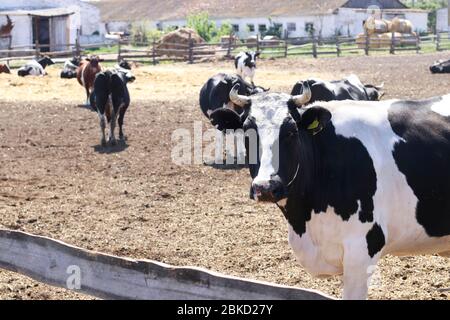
{"type": "Point", "coordinates": [358, 268]}
{"type": "Point", "coordinates": [112, 138]}
{"type": "Point", "coordinates": [122, 111]}
{"type": "Point", "coordinates": [102, 128]}
{"type": "Point", "coordinates": [87, 95]}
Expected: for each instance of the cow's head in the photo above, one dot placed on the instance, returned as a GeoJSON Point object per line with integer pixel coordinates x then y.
{"type": "Point", "coordinates": [279, 122]}
{"type": "Point", "coordinates": [125, 64]}
{"type": "Point", "coordinates": [374, 93]}
{"type": "Point", "coordinates": [4, 68]}
{"type": "Point", "coordinates": [94, 60]}
{"type": "Point", "coordinates": [45, 61]}
{"type": "Point", "coordinates": [250, 60]}
{"type": "Point", "coordinates": [75, 61]}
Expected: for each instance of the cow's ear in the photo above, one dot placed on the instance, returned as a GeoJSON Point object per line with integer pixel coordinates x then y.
{"type": "Point", "coordinates": [225, 118]}
{"type": "Point", "coordinates": [257, 54]}
{"type": "Point", "coordinates": [315, 119]}
{"type": "Point", "coordinates": [87, 59]}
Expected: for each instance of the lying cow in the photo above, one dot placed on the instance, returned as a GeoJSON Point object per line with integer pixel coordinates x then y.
{"type": "Point", "coordinates": [35, 68]}
{"type": "Point", "coordinates": [111, 99]}
{"type": "Point", "coordinates": [69, 70]}
{"type": "Point", "coordinates": [350, 88]}
{"type": "Point", "coordinates": [440, 66]}
{"type": "Point", "coordinates": [215, 94]}
{"type": "Point", "coordinates": [86, 73]}
{"type": "Point", "coordinates": [245, 63]}
{"type": "Point", "coordinates": [355, 180]}
{"type": "Point", "coordinates": [4, 68]}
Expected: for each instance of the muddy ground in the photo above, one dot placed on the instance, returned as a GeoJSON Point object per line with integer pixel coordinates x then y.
{"type": "Point", "coordinates": [131, 200]}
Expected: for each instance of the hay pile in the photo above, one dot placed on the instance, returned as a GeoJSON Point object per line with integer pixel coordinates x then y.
{"type": "Point", "coordinates": [176, 43]}
{"type": "Point", "coordinates": [380, 33]}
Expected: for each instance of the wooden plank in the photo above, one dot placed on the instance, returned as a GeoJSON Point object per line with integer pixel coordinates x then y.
{"type": "Point", "coordinates": [106, 276]}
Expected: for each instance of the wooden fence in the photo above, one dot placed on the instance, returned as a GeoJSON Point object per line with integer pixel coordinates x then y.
{"type": "Point", "coordinates": [191, 52]}
{"type": "Point", "coordinates": [105, 276]}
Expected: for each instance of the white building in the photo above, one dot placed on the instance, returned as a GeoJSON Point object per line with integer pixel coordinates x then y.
{"type": "Point", "coordinates": [442, 19]}
{"type": "Point", "coordinates": [51, 22]}
{"type": "Point", "coordinates": [294, 17]}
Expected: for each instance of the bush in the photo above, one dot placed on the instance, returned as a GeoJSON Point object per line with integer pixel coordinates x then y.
{"type": "Point", "coordinates": [206, 28]}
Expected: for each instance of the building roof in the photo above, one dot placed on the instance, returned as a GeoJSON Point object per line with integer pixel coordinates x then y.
{"type": "Point", "coordinates": [52, 12]}
{"type": "Point", "coordinates": [160, 10]}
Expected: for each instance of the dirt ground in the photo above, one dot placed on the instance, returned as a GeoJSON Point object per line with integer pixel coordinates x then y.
{"type": "Point", "coordinates": [55, 179]}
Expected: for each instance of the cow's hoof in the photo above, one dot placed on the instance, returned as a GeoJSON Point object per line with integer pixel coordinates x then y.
{"type": "Point", "coordinates": [123, 138]}
{"type": "Point", "coordinates": [112, 142]}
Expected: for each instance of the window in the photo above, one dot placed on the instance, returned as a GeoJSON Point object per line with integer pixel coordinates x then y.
{"type": "Point", "coordinates": [309, 27]}
{"type": "Point", "coordinates": [278, 26]}
{"type": "Point", "coordinates": [235, 27]}
{"type": "Point", "coordinates": [251, 27]}
{"type": "Point", "coordinates": [291, 26]}
{"type": "Point", "coordinates": [262, 28]}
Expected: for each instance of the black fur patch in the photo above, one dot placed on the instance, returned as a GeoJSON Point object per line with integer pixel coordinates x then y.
{"type": "Point", "coordinates": [336, 172]}
{"type": "Point", "coordinates": [375, 240]}
{"type": "Point", "coordinates": [423, 156]}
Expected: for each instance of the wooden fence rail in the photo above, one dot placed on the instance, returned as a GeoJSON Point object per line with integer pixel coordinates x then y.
{"type": "Point", "coordinates": [152, 52]}
{"type": "Point", "coordinates": [105, 276]}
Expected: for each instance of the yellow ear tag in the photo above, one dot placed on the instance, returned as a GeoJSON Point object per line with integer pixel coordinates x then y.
{"type": "Point", "coordinates": [314, 125]}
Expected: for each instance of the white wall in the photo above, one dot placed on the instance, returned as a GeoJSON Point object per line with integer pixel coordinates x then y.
{"type": "Point", "coordinates": [23, 35]}
{"type": "Point", "coordinates": [442, 20]}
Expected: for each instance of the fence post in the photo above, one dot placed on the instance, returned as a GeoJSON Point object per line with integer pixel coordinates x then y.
{"type": "Point", "coordinates": [154, 52]}
{"type": "Point", "coordinates": [392, 51]}
{"type": "Point", "coordinates": [191, 49]}
{"type": "Point", "coordinates": [37, 49]}
{"type": "Point", "coordinates": [314, 52]}
{"type": "Point", "coordinates": [77, 47]}
{"type": "Point", "coordinates": [367, 47]}
{"type": "Point", "coordinates": [9, 48]}
{"type": "Point", "coordinates": [338, 47]}
{"type": "Point", "coordinates": [438, 41]}
{"type": "Point", "coordinates": [229, 44]}
{"type": "Point", "coordinates": [119, 51]}
{"type": "Point", "coordinates": [285, 48]}
{"type": "Point", "coordinates": [257, 42]}
{"type": "Point", "coordinates": [418, 43]}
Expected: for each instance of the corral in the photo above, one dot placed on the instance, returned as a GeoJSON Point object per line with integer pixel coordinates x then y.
{"type": "Point", "coordinates": [131, 200]}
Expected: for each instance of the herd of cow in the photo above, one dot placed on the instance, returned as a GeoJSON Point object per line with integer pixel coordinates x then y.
{"type": "Point", "coordinates": [356, 177]}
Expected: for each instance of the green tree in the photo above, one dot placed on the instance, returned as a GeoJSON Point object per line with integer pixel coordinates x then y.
{"type": "Point", "coordinates": [431, 5]}
{"type": "Point", "coordinates": [206, 28]}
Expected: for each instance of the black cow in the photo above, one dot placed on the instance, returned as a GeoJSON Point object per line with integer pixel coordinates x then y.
{"type": "Point", "coordinates": [355, 180]}
{"type": "Point", "coordinates": [440, 66]}
{"type": "Point", "coordinates": [110, 99]}
{"type": "Point", "coordinates": [69, 70]}
{"type": "Point", "coordinates": [215, 93]}
{"type": "Point", "coordinates": [350, 88]}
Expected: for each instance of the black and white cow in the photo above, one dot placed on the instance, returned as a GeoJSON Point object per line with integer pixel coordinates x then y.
{"type": "Point", "coordinates": [245, 63]}
{"type": "Point", "coordinates": [215, 94]}
{"type": "Point", "coordinates": [440, 66]}
{"type": "Point", "coordinates": [111, 100]}
{"type": "Point", "coordinates": [69, 70]}
{"type": "Point", "coordinates": [35, 68]}
{"type": "Point", "coordinates": [350, 88]}
{"type": "Point", "coordinates": [355, 180]}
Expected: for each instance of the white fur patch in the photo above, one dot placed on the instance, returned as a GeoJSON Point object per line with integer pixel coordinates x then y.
{"type": "Point", "coordinates": [442, 107]}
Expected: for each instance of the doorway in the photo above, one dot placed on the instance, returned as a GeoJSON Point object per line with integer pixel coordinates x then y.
{"type": "Point", "coordinates": [41, 32]}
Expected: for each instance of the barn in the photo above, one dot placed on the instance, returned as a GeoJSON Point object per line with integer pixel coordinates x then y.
{"type": "Point", "coordinates": [293, 18]}
{"type": "Point", "coordinates": [54, 23]}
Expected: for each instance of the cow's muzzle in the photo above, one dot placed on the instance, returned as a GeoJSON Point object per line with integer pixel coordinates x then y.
{"type": "Point", "coordinates": [268, 191]}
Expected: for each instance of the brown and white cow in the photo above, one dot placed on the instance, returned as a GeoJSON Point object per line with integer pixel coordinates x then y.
{"type": "Point", "coordinates": [4, 68]}
{"type": "Point", "coordinates": [86, 73]}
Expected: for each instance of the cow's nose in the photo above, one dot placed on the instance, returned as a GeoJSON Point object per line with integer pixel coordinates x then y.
{"type": "Point", "coordinates": [268, 191]}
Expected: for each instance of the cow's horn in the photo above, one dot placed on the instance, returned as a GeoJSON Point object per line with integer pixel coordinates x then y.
{"type": "Point", "coordinates": [304, 98]}
{"type": "Point", "coordinates": [381, 86]}
{"type": "Point", "coordinates": [238, 99]}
